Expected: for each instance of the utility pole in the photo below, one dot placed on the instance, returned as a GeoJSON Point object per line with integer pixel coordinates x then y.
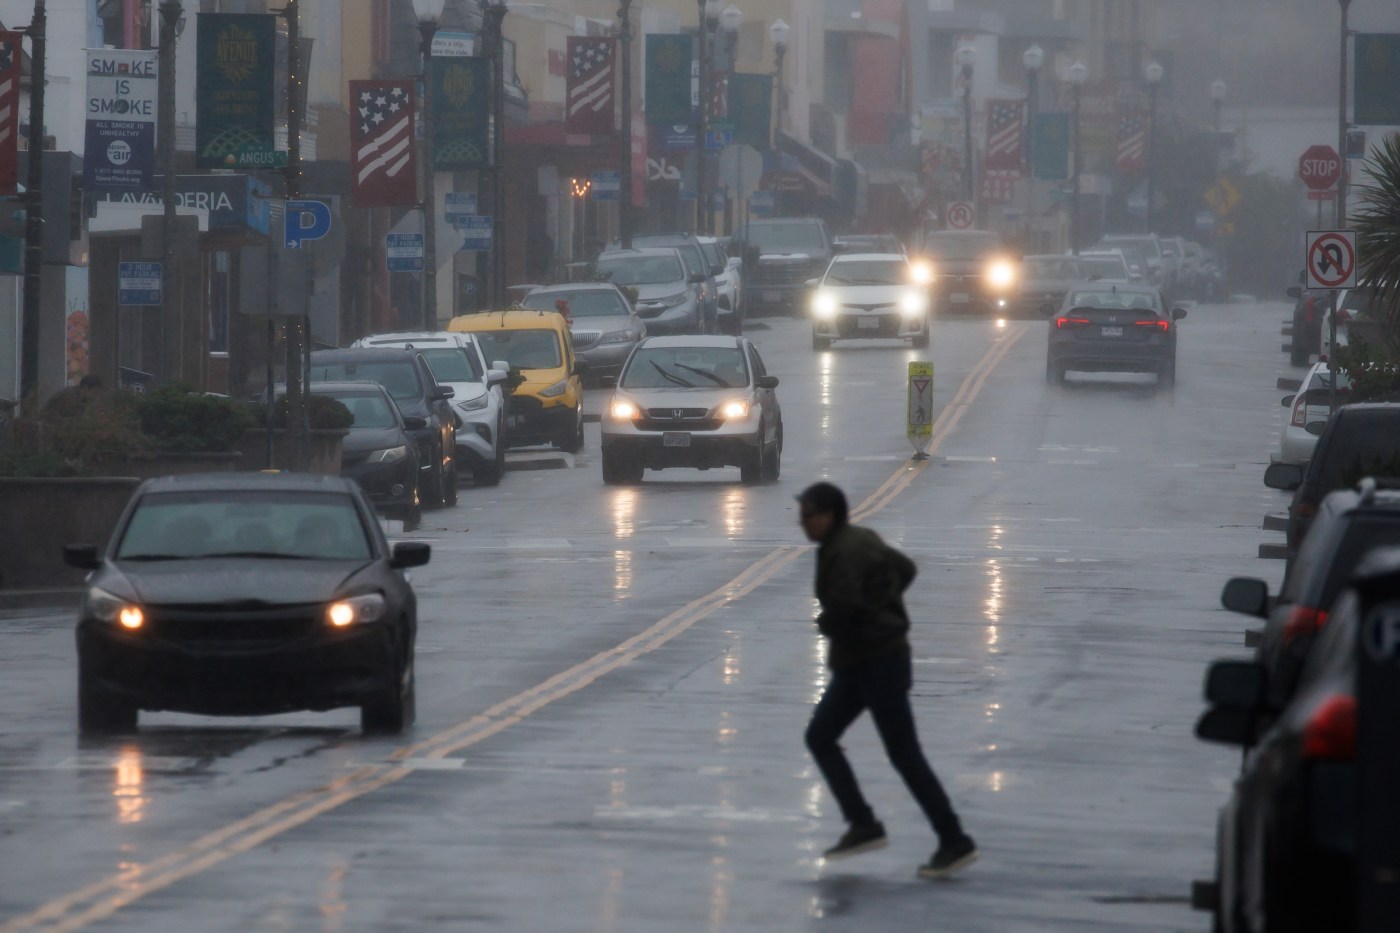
{"type": "Point", "coordinates": [427, 28]}
{"type": "Point", "coordinates": [171, 314]}
{"type": "Point", "coordinates": [298, 331]}
{"type": "Point", "coordinates": [624, 34]}
{"type": "Point", "coordinates": [1342, 122]}
{"type": "Point", "coordinates": [702, 32]}
{"type": "Point", "coordinates": [493, 13]}
{"type": "Point", "coordinates": [34, 208]}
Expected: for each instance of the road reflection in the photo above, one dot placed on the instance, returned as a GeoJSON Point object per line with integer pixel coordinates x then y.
{"type": "Point", "coordinates": [732, 511]}
{"type": "Point", "coordinates": [624, 513]}
{"type": "Point", "coordinates": [622, 573]}
{"type": "Point", "coordinates": [130, 786]}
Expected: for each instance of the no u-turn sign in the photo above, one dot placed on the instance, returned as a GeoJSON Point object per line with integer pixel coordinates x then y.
{"type": "Point", "coordinates": [1330, 259]}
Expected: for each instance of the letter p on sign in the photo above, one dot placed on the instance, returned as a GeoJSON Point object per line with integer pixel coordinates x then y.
{"type": "Point", "coordinates": [306, 220]}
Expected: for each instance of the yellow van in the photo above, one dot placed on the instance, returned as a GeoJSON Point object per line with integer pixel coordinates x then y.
{"type": "Point", "coordinates": [547, 408]}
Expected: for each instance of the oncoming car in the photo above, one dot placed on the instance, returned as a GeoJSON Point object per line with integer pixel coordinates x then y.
{"type": "Point", "coordinates": [973, 268]}
{"type": "Point", "coordinates": [1113, 328]}
{"type": "Point", "coordinates": [870, 295]}
{"type": "Point", "coordinates": [701, 402]}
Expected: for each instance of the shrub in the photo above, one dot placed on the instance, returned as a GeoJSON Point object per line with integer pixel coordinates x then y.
{"type": "Point", "coordinates": [179, 419]}
{"type": "Point", "coordinates": [89, 427]}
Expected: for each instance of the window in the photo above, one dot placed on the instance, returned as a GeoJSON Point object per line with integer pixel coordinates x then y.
{"type": "Point", "coordinates": [959, 246]}
{"type": "Point", "coordinates": [523, 349]}
{"type": "Point", "coordinates": [451, 364]}
{"type": "Point", "coordinates": [400, 378]}
{"type": "Point", "coordinates": [593, 302]}
{"type": "Point", "coordinates": [791, 237]}
{"type": "Point", "coordinates": [369, 411]}
{"type": "Point", "coordinates": [686, 368]}
{"type": "Point", "coordinates": [641, 270]}
{"type": "Point", "coordinates": [868, 272]}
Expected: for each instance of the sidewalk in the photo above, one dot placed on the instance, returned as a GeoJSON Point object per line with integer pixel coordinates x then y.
{"type": "Point", "coordinates": [19, 602]}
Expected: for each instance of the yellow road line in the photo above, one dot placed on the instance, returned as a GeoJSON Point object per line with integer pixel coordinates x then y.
{"type": "Point", "coordinates": [104, 897]}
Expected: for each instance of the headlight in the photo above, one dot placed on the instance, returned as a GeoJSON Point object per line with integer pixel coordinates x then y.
{"type": "Point", "coordinates": [623, 410]}
{"type": "Point", "coordinates": [1001, 274]}
{"type": "Point", "coordinates": [670, 301]}
{"type": "Point", "coordinates": [913, 304]}
{"type": "Point", "coordinates": [355, 611]}
{"type": "Point", "coordinates": [475, 404]}
{"type": "Point", "coordinates": [617, 336]}
{"type": "Point", "coordinates": [556, 389]}
{"type": "Point", "coordinates": [388, 455]}
{"type": "Point", "coordinates": [921, 273]}
{"type": "Point", "coordinates": [108, 608]}
{"type": "Point", "coordinates": [825, 305]}
{"type": "Point", "coordinates": [735, 409]}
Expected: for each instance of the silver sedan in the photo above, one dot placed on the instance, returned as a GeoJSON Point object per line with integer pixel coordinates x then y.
{"type": "Point", "coordinates": [601, 321]}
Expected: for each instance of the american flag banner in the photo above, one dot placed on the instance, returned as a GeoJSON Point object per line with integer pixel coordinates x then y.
{"type": "Point", "coordinates": [9, 112]}
{"type": "Point", "coordinates": [1132, 142]}
{"type": "Point", "coordinates": [590, 100]}
{"type": "Point", "coordinates": [382, 152]}
{"type": "Point", "coordinates": [1004, 136]}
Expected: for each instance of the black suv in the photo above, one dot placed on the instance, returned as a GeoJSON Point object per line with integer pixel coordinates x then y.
{"type": "Point", "coordinates": [973, 270]}
{"type": "Point", "coordinates": [410, 382]}
{"type": "Point", "coordinates": [1359, 440]}
{"type": "Point", "coordinates": [780, 255]}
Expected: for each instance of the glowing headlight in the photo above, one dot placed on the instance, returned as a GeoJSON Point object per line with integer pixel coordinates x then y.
{"type": "Point", "coordinates": [1001, 274]}
{"type": "Point", "coordinates": [913, 304]}
{"type": "Point", "coordinates": [389, 455]}
{"type": "Point", "coordinates": [624, 411]}
{"type": "Point", "coordinates": [921, 273]}
{"type": "Point", "coordinates": [825, 305]}
{"type": "Point", "coordinates": [108, 608]}
{"type": "Point", "coordinates": [556, 389]}
{"type": "Point", "coordinates": [356, 610]}
{"type": "Point", "coordinates": [734, 409]}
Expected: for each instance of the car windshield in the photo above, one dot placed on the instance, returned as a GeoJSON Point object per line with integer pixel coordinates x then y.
{"type": "Point", "coordinates": [868, 272]}
{"type": "Point", "coordinates": [536, 348]}
{"type": "Point", "coordinates": [400, 377]}
{"type": "Point", "coordinates": [245, 523]}
{"type": "Point", "coordinates": [1147, 245]}
{"type": "Point", "coordinates": [957, 246]}
{"type": "Point", "coordinates": [592, 302]}
{"type": "Point", "coordinates": [1052, 269]}
{"type": "Point", "coordinates": [794, 237]}
{"type": "Point", "coordinates": [1105, 267]}
{"type": "Point", "coordinates": [714, 255]}
{"type": "Point", "coordinates": [686, 368]}
{"type": "Point", "coordinates": [368, 410]}
{"type": "Point", "coordinates": [1115, 300]}
{"type": "Point", "coordinates": [641, 270]}
{"type": "Point", "coordinates": [451, 364]}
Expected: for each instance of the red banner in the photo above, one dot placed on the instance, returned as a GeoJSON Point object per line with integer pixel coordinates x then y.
{"type": "Point", "coordinates": [589, 100]}
{"type": "Point", "coordinates": [382, 150]}
{"type": "Point", "coordinates": [1131, 155]}
{"type": "Point", "coordinates": [9, 112]}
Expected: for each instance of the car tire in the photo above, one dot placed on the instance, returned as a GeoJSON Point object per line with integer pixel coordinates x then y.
{"type": "Point", "coordinates": [571, 443]}
{"type": "Point", "coordinates": [619, 470]}
{"type": "Point", "coordinates": [1054, 373]}
{"type": "Point", "coordinates": [1166, 375]}
{"type": "Point", "coordinates": [772, 463]}
{"type": "Point", "coordinates": [394, 710]}
{"type": "Point", "coordinates": [751, 469]}
{"type": "Point", "coordinates": [920, 340]}
{"type": "Point", "coordinates": [489, 473]}
{"type": "Point", "coordinates": [820, 343]}
{"type": "Point", "coordinates": [431, 497]}
{"type": "Point", "coordinates": [412, 517]}
{"type": "Point", "coordinates": [449, 486]}
{"type": "Point", "coordinates": [99, 713]}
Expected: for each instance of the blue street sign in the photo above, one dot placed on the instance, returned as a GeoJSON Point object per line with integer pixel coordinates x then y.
{"type": "Point", "coordinates": [139, 283]}
{"type": "Point", "coordinates": [607, 186]}
{"type": "Point", "coordinates": [306, 220]}
{"type": "Point", "coordinates": [718, 139]}
{"type": "Point", "coordinates": [476, 233]}
{"type": "Point", "coordinates": [762, 204]}
{"type": "Point", "coordinates": [404, 252]}
{"type": "Point", "coordinates": [458, 204]}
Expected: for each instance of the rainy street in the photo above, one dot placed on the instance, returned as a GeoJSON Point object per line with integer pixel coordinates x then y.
{"type": "Point", "coordinates": [613, 683]}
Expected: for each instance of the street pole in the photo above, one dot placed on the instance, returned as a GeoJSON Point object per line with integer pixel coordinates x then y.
{"type": "Point", "coordinates": [702, 34]}
{"type": "Point", "coordinates": [1078, 159]}
{"type": "Point", "coordinates": [968, 188]}
{"type": "Point", "coordinates": [1032, 58]}
{"type": "Point", "coordinates": [779, 53]}
{"type": "Point", "coordinates": [498, 186]}
{"type": "Point", "coordinates": [298, 331]}
{"type": "Point", "coordinates": [172, 323]}
{"type": "Point", "coordinates": [624, 34]}
{"type": "Point", "coordinates": [427, 28]}
{"type": "Point", "coordinates": [34, 208]}
{"type": "Point", "coordinates": [1154, 73]}
{"type": "Point", "coordinates": [1342, 121]}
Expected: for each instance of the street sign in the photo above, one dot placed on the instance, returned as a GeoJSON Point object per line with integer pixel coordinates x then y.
{"type": "Point", "coordinates": [1320, 167]}
{"type": "Point", "coordinates": [139, 283]}
{"type": "Point", "coordinates": [762, 204]}
{"type": "Point", "coordinates": [476, 233]}
{"type": "Point", "coordinates": [458, 204]}
{"type": "Point", "coordinates": [1205, 221]}
{"type": "Point", "coordinates": [740, 168]}
{"type": "Point", "coordinates": [1331, 259]}
{"type": "Point", "coordinates": [607, 186]}
{"type": "Point", "coordinates": [454, 44]}
{"type": "Point", "coordinates": [306, 220]}
{"type": "Point", "coordinates": [717, 139]}
{"type": "Point", "coordinates": [1328, 195]}
{"type": "Point", "coordinates": [961, 214]}
{"type": "Point", "coordinates": [1356, 143]}
{"type": "Point", "coordinates": [920, 411]}
{"type": "Point", "coordinates": [404, 252]}
{"type": "Point", "coordinates": [1223, 197]}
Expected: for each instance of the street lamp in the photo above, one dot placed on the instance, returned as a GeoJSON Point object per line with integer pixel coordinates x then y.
{"type": "Point", "coordinates": [428, 12]}
{"type": "Point", "coordinates": [171, 318]}
{"type": "Point", "coordinates": [707, 18]}
{"type": "Point", "coordinates": [965, 56]}
{"type": "Point", "coordinates": [33, 207]}
{"type": "Point", "coordinates": [1153, 72]}
{"type": "Point", "coordinates": [493, 12]}
{"type": "Point", "coordinates": [1077, 75]}
{"type": "Point", "coordinates": [1341, 215]}
{"type": "Point", "coordinates": [730, 22]}
{"type": "Point", "coordinates": [1033, 58]}
{"type": "Point", "coordinates": [624, 35]}
{"type": "Point", "coordinates": [779, 33]}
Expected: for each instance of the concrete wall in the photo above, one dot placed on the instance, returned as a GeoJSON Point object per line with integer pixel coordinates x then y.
{"type": "Point", "coordinates": [40, 516]}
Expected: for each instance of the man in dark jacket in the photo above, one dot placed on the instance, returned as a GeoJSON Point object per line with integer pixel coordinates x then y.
{"type": "Point", "coordinates": [860, 585]}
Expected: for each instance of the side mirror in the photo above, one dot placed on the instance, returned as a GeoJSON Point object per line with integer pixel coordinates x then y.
{"type": "Point", "coordinates": [1178, 313]}
{"type": "Point", "coordinates": [1285, 476]}
{"type": "Point", "coordinates": [1288, 400]}
{"type": "Point", "coordinates": [812, 283]}
{"type": "Point", "coordinates": [1241, 685]}
{"type": "Point", "coordinates": [734, 262]}
{"type": "Point", "coordinates": [767, 382]}
{"type": "Point", "coordinates": [443, 393]}
{"type": "Point", "coordinates": [697, 278]}
{"type": "Point", "coordinates": [496, 377]}
{"type": "Point", "coordinates": [608, 382]}
{"type": "Point", "coordinates": [1246, 596]}
{"type": "Point", "coordinates": [414, 423]}
{"type": "Point", "coordinates": [410, 554]}
{"type": "Point", "coordinates": [502, 365]}
{"type": "Point", "coordinates": [82, 556]}
{"type": "Point", "coordinates": [1294, 292]}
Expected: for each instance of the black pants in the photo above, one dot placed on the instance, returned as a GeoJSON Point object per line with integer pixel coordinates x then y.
{"type": "Point", "coordinates": [880, 685]}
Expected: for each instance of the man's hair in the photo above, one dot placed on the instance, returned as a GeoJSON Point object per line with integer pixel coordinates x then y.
{"type": "Point", "coordinates": [824, 498]}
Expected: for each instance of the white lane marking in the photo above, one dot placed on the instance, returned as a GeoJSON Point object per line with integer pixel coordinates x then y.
{"type": "Point", "coordinates": [874, 458]}
{"type": "Point", "coordinates": [1072, 462]}
{"type": "Point", "coordinates": [536, 544]}
{"type": "Point", "coordinates": [697, 812]}
{"type": "Point", "coordinates": [953, 459]}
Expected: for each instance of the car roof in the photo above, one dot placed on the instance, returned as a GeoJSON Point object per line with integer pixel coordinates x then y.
{"type": "Point", "coordinates": [1131, 288]}
{"type": "Point", "coordinates": [414, 336]}
{"type": "Point", "coordinates": [642, 251]}
{"type": "Point", "coordinates": [693, 340]}
{"type": "Point", "coordinates": [250, 481]}
{"type": "Point", "coordinates": [362, 385]}
{"type": "Point", "coordinates": [574, 287]}
{"type": "Point", "coordinates": [341, 354]}
{"type": "Point", "coordinates": [514, 319]}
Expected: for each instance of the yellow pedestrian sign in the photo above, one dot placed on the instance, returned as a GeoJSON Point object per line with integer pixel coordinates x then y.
{"type": "Point", "coordinates": [920, 414]}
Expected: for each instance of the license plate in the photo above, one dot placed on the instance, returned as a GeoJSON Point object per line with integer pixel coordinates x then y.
{"type": "Point", "coordinates": [868, 323]}
{"type": "Point", "coordinates": [772, 296]}
{"type": "Point", "coordinates": [675, 439]}
{"type": "Point", "coordinates": [1112, 332]}
{"type": "Point", "coordinates": [959, 298]}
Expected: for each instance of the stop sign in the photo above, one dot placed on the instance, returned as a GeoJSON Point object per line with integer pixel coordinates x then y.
{"type": "Point", "coordinates": [1320, 167]}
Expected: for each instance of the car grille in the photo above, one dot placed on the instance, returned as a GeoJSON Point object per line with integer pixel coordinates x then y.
{"type": "Point", "coordinates": [678, 419]}
{"type": "Point", "coordinates": [955, 282]}
{"type": "Point", "coordinates": [784, 273]}
{"type": "Point", "coordinates": [882, 306]}
{"type": "Point", "coordinates": [251, 628]}
{"type": "Point", "coordinates": [586, 340]}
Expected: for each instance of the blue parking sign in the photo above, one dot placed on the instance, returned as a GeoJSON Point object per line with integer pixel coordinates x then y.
{"type": "Point", "coordinates": [139, 283]}
{"type": "Point", "coordinates": [476, 233]}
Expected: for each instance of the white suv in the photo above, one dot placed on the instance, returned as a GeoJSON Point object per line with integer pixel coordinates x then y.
{"type": "Point", "coordinates": [477, 401]}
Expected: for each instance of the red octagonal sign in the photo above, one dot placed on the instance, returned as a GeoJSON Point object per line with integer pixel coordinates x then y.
{"type": "Point", "coordinates": [1320, 167]}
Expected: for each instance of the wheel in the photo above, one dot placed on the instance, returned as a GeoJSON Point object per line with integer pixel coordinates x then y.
{"type": "Point", "coordinates": [412, 516]}
{"type": "Point", "coordinates": [751, 469]}
{"type": "Point", "coordinates": [432, 495]}
{"type": "Point", "coordinates": [449, 485]}
{"type": "Point", "coordinates": [614, 469]}
{"type": "Point", "coordinates": [771, 465]}
{"type": "Point", "coordinates": [820, 343]}
{"type": "Point", "coordinates": [920, 340]}
{"type": "Point", "coordinates": [99, 713]}
{"type": "Point", "coordinates": [1166, 375]}
{"type": "Point", "coordinates": [571, 443]}
{"type": "Point", "coordinates": [395, 709]}
{"type": "Point", "coordinates": [1054, 373]}
{"type": "Point", "coordinates": [489, 474]}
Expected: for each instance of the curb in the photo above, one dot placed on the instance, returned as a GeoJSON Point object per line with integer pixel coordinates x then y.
{"type": "Point", "coordinates": [41, 599]}
{"type": "Point", "coordinates": [1273, 551]}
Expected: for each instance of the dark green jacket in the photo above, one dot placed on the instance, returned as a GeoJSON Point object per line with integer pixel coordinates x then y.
{"type": "Point", "coordinates": [860, 585]}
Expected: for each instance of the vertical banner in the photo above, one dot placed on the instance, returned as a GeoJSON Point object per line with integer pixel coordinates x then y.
{"type": "Point", "coordinates": [1052, 146]}
{"type": "Point", "coordinates": [590, 100]}
{"type": "Point", "coordinates": [1004, 136]}
{"type": "Point", "coordinates": [9, 112]}
{"type": "Point", "coordinates": [235, 87]}
{"type": "Point", "coordinates": [668, 80]}
{"type": "Point", "coordinates": [384, 171]}
{"type": "Point", "coordinates": [460, 110]}
{"type": "Point", "coordinates": [120, 142]}
{"type": "Point", "coordinates": [1376, 81]}
{"type": "Point", "coordinates": [1131, 157]}
{"type": "Point", "coordinates": [751, 109]}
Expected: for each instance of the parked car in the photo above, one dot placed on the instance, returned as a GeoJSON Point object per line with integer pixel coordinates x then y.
{"type": "Point", "coordinates": [670, 300]}
{"type": "Point", "coordinates": [1113, 328]}
{"type": "Point", "coordinates": [869, 243]}
{"type": "Point", "coordinates": [973, 269]}
{"type": "Point", "coordinates": [1358, 441]}
{"type": "Point", "coordinates": [242, 594]}
{"type": "Point", "coordinates": [780, 255]}
{"type": "Point", "coordinates": [409, 379]}
{"type": "Point", "coordinates": [601, 320]}
{"type": "Point", "coordinates": [1309, 312]}
{"type": "Point", "coordinates": [1157, 272]}
{"type": "Point", "coordinates": [1309, 408]}
{"type": "Point", "coordinates": [478, 400]}
{"type": "Point", "coordinates": [729, 280]}
{"type": "Point", "coordinates": [700, 402]}
{"type": "Point", "coordinates": [1356, 319]}
{"type": "Point", "coordinates": [546, 407]}
{"type": "Point", "coordinates": [1108, 265]}
{"type": "Point", "coordinates": [696, 261]}
{"type": "Point", "coordinates": [864, 295]}
{"type": "Point", "coordinates": [1044, 280]}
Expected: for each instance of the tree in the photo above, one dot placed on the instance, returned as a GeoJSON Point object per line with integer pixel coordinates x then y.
{"type": "Point", "coordinates": [1377, 221]}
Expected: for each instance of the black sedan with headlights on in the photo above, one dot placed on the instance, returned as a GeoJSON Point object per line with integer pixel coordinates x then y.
{"type": "Point", "coordinates": [245, 594]}
{"type": "Point", "coordinates": [1113, 327]}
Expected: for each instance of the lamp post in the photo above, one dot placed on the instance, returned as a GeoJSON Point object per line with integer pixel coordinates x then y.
{"type": "Point", "coordinates": [965, 56]}
{"type": "Point", "coordinates": [707, 18]}
{"type": "Point", "coordinates": [493, 13]}
{"type": "Point", "coordinates": [428, 12]}
{"type": "Point", "coordinates": [1153, 72]}
{"type": "Point", "coordinates": [1077, 74]}
{"type": "Point", "coordinates": [171, 317]}
{"type": "Point", "coordinates": [779, 33]}
{"type": "Point", "coordinates": [624, 35]}
{"type": "Point", "coordinates": [730, 21]}
{"type": "Point", "coordinates": [34, 207]}
{"type": "Point", "coordinates": [1341, 215]}
{"type": "Point", "coordinates": [1217, 97]}
{"type": "Point", "coordinates": [1033, 58]}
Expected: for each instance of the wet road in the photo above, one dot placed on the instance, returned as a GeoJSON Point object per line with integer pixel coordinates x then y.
{"type": "Point", "coordinates": [613, 685]}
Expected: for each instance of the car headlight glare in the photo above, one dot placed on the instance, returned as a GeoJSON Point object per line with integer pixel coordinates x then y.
{"type": "Point", "coordinates": [623, 410]}
{"type": "Point", "coordinates": [616, 336]}
{"type": "Point", "coordinates": [913, 304]}
{"type": "Point", "coordinates": [388, 455]}
{"type": "Point", "coordinates": [357, 610]}
{"type": "Point", "coordinates": [921, 273]}
{"type": "Point", "coordinates": [735, 409]}
{"type": "Point", "coordinates": [109, 608]}
{"type": "Point", "coordinates": [556, 389]}
{"type": "Point", "coordinates": [475, 404]}
{"type": "Point", "coordinates": [825, 305]}
{"type": "Point", "coordinates": [1001, 274]}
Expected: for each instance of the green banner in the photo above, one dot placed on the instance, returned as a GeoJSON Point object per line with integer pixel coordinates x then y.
{"type": "Point", "coordinates": [751, 109]}
{"type": "Point", "coordinates": [1377, 83]}
{"type": "Point", "coordinates": [234, 91]}
{"type": "Point", "coordinates": [1052, 146]}
{"type": "Point", "coordinates": [668, 86]}
{"type": "Point", "coordinates": [459, 103]}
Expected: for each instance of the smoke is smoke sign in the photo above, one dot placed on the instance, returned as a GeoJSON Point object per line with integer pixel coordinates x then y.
{"type": "Point", "coordinates": [121, 120]}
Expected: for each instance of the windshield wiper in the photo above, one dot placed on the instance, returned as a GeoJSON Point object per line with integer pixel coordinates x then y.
{"type": "Point", "coordinates": [271, 555]}
{"type": "Point", "coordinates": [671, 377]}
{"type": "Point", "coordinates": [710, 376]}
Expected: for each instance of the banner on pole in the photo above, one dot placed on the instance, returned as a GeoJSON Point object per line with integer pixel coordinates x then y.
{"type": "Point", "coordinates": [1004, 136]}
{"type": "Point", "coordinates": [384, 171]}
{"type": "Point", "coordinates": [751, 109]}
{"type": "Point", "coordinates": [669, 60]}
{"type": "Point", "coordinates": [9, 112]}
{"type": "Point", "coordinates": [235, 96]}
{"type": "Point", "coordinates": [1377, 79]}
{"type": "Point", "coordinates": [460, 110]}
{"type": "Point", "coordinates": [590, 101]}
{"type": "Point", "coordinates": [120, 141]}
{"type": "Point", "coordinates": [1051, 146]}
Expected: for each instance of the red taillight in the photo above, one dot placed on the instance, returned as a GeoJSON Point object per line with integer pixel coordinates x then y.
{"type": "Point", "coordinates": [1160, 325]}
{"type": "Point", "coordinates": [1303, 620]}
{"type": "Point", "coordinates": [1070, 321]}
{"type": "Point", "coordinates": [1300, 410]}
{"type": "Point", "coordinates": [1331, 732]}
